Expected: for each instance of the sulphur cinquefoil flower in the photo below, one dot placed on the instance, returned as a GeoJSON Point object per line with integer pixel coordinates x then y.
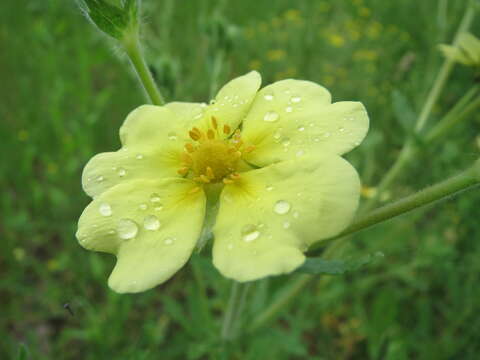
{"type": "Point", "coordinates": [261, 169]}
{"type": "Point", "coordinates": [467, 51]}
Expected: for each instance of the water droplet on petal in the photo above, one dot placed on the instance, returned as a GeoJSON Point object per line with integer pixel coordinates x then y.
{"type": "Point", "coordinates": [159, 208]}
{"type": "Point", "coordinates": [296, 214]}
{"type": "Point", "coordinates": [286, 142]}
{"type": "Point", "coordinates": [230, 246]}
{"type": "Point", "coordinates": [127, 229]}
{"type": "Point", "coordinates": [301, 128]}
{"type": "Point", "coordinates": [341, 129]}
{"type": "Point", "coordinates": [105, 209]}
{"type": "Point", "coordinates": [288, 109]}
{"type": "Point", "coordinates": [154, 198]}
{"type": "Point", "coordinates": [111, 232]}
{"type": "Point", "coordinates": [296, 99]}
{"type": "Point", "coordinates": [250, 233]}
{"type": "Point", "coordinates": [121, 172]}
{"type": "Point", "coordinates": [300, 153]}
{"type": "Point", "coordinates": [271, 116]}
{"type": "Point", "coordinates": [269, 188]}
{"type": "Point", "coordinates": [286, 224]}
{"type": "Point", "coordinates": [316, 139]}
{"type": "Point", "coordinates": [268, 97]}
{"type": "Point", "coordinates": [326, 135]}
{"type": "Point", "coordinates": [168, 241]}
{"type": "Point", "coordinates": [281, 207]}
{"type": "Point", "coordinates": [139, 157]}
{"type": "Point", "coordinates": [100, 178]}
{"type": "Point", "coordinates": [172, 136]}
{"type": "Point", "coordinates": [143, 206]}
{"type": "Point", "coordinates": [151, 222]}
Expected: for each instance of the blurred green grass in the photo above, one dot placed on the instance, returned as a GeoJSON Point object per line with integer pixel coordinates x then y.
{"type": "Point", "coordinates": [65, 92]}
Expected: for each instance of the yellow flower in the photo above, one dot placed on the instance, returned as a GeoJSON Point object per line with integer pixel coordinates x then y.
{"type": "Point", "coordinates": [259, 170]}
{"type": "Point", "coordinates": [467, 51]}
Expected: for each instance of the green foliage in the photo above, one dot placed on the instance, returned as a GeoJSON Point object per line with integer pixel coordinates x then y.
{"type": "Point", "coordinates": [65, 94]}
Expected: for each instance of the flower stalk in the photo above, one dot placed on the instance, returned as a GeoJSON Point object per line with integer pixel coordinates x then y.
{"type": "Point", "coordinates": [236, 304]}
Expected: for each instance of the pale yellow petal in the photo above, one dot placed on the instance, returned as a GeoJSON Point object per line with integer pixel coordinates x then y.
{"type": "Point", "coordinates": [271, 215]}
{"type": "Point", "coordinates": [291, 119]}
{"type": "Point", "coordinates": [151, 225]}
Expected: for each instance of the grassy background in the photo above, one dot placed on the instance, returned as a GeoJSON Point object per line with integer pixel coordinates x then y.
{"type": "Point", "coordinates": [64, 93]}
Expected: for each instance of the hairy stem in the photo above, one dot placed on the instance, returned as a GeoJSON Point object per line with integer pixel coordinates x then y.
{"type": "Point", "coordinates": [133, 49]}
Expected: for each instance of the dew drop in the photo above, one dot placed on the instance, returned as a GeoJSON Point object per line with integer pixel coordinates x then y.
{"type": "Point", "coordinates": [286, 224]}
{"type": "Point", "coordinates": [250, 233]}
{"type": "Point", "coordinates": [271, 116]}
{"type": "Point", "coordinates": [139, 157]}
{"type": "Point", "coordinates": [159, 208]}
{"type": "Point", "coordinates": [100, 178]}
{"type": "Point", "coordinates": [296, 99]}
{"type": "Point", "coordinates": [326, 135]}
{"type": "Point", "coordinates": [230, 246]}
{"type": "Point", "coordinates": [341, 129]}
{"type": "Point", "coordinates": [300, 153]}
{"type": "Point", "coordinates": [121, 172]}
{"type": "Point", "coordinates": [168, 241]}
{"type": "Point", "coordinates": [151, 222]}
{"type": "Point", "coordinates": [172, 136]}
{"type": "Point", "coordinates": [316, 139]}
{"type": "Point", "coordinates": [277, 135]}
{"type": "Point", "coordinates": [288, 109]}
{"type": "Point", "coordinates": [143, 206]}
{"type": "Point", "coordinates": [296, 214]}
{"type": "Point", "coordinates": [286, 142]}
{"type": "Point", "coordinates": [301, 128]}
{"type": "Point", "coordinates": [269, 188]}
{"type": "Point", "coordinates": [105, 209]}
{"type": "Point", "coordinates": [111, 232]}
{"type": "Point", "coordinates": [154, 198]}
{"type": "Point", "coordinates": [268, 97]}
{"type": "Point", "coordinates": [127, 229]}
{"type": "Point", "coordinates": [281, 207]}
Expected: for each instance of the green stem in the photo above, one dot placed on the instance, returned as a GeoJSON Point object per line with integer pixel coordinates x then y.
{"type": "Point", "coordinates": [131, 44]}
{"type": "Point", "coordinates": [432, 98]}
{"type": "Point", "coordinates": [450, 121]}
{"type": "Point", "coordinates": [235, 307]}
{"type": "Point", "coordinates": [466, 179]}
{"type": "Point", "coordinates": [280, 302]}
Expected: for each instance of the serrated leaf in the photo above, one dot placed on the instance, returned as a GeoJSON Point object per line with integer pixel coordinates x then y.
{"type": "Point", "coordinates": [319, 266]}
{"type": "Point", "coordinates": [403, 111]}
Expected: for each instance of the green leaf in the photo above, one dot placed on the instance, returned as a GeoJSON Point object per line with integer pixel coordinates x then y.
{"type": "Point", "coordinates": [111, 19]}
{"type": "Point", "coordinates": [22, 352]}
{"type": "Point", "coordinates": [319, 266]}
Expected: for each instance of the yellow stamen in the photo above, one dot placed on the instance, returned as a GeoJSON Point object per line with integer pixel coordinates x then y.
{"type": "Point", "coordinates": [227, 181]}
{"type": "Point", "coordinates": [186, 158]}
{"type": "Point", "coordinates": [226, 129]}
{"type": "Point", "coordinates": [183, 171]}
{"type": "Point", "coordinates": [194, 190]}
{"type": "Point", "coordinates": [210, 173]}
{"type": "Point", "coordinates": [214, 122]}
{"type": "Point", "coordinates": [210, 134]}
{"type": "Point", "coordinates": [204, 178]}
{"type": "Point", "coordinates": [194, 135]}
{"type": "Point", "coordinates": [189, 147]}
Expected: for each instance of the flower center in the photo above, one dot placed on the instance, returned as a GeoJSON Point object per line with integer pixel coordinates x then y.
{"type": "Point", "coordinates": [211, 158]}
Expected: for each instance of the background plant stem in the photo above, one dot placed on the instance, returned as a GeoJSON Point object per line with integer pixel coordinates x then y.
{"type": "Point", "coordinates": [232, 317]}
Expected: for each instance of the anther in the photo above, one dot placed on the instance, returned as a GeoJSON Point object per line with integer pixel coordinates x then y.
{"type": "Point", "coordinates": [194, 135]}
{"type": "Point", "coordinates": [210, 173]}
{"type": "Point", "coordinates": [214, 122]}
{"type": "Point", "coordinates": [187, 159]}
{"type": "Point", "coordinates": [204, 178]}
{"type": "Point", "coordinates": [183, 171]}
{"type": "Point", "coordinates": [226, 129]}
{"type": "Point", "coordinates": [189, 147]}
{"type": "Point", "coordinates": [210, 134]}
{"type": "Point", "coordinates": [227, 181]}
{"type": "Point", "coordinates": [235, 176]}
